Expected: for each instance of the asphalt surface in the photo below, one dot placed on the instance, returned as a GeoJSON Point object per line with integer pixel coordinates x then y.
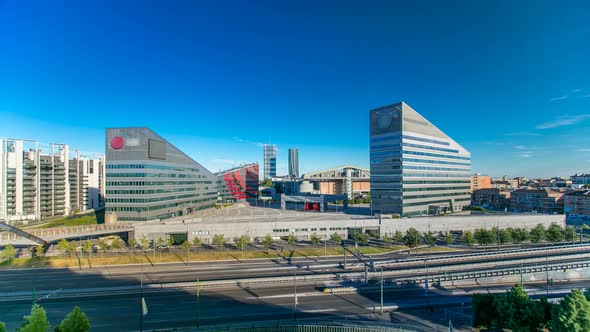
{"type": "Point", "coordinates": [19, 280]}
{"type": "Point", "coordinates": [178, 308]}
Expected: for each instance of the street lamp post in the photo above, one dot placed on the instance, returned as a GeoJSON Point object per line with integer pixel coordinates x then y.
{"type": "Point", "coordinates": [295, 300]}
{"type": "Point", "coordinates": [547, 269]}
{"type": "Point", "coordinates": [198, 293]}
{"type": "Point", "coordinates": [382, 290]}
{"type": "Point", "coordinates": [426, 285]}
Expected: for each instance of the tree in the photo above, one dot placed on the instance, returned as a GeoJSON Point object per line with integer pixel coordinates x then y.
{"type": "Point", "coordinates": [2, 327]}
{"type": "Point", "coordinates": [537, 233]}
{"type": "Point", "coordinates": [36, 322]}
{"type": "Point", "coordinates": [468, 238]}
{"type": "Point", "coordinates": [336, 238]}
{"type": "Point", "coordinates": [75, 321]}
{"type": "Point", "coordinates": [144, 243]}
{"type": "Point", "coordinates": [8, 254]}
{"type": "Point", "coordinates": [361, 238]}
{"type": "Point", "coordinates": [243, 241]}
{"type": "Point", "coordinates": [218, 240]}
{"type": "Point", "coordinates": [133, 243]}
{"type": "Point", "coordinates": [103, 244]}
{"type": "Point", "coordinates": [516, 311]}
{"type": "Point", "coordinates": [186, 246]}
{"type": "Point", "coordinates": [87, 246]}
{"type": "Point", "coordinates": [519, 235]}
{"type": "Point", "coordinates": [412, 238]}
{"type": "Point", "coordinates": [484, 311]}
{"type": "Point", "coordinates": [572, 313]}
{"type": "Point", "coordinates": [484, 236]}
{"type": "Point", "coordinates": [170, 240]}
{"type": "Point", "coordinates": [555, 233]}
{"type": "Point", "coordinates": [398, 236]}
{"type": "Point", "coordinates": [197, 241]}
{"type": "Point", "coordinates": [65, 246]}
{"type": "Point", "coordinates": [116, 243]}
{"type": "Point", "coordinates": [569, 233]}
{"type": "Point", "coordinates": [430, 238]}
{"type": "Point", "coordinates": [291, 241]}
{"type": "Point", "coordinates": [505, 236]}
{"type": "Point", "coordinates": [267, 242]}
{"type": "Point", "coordinates": [448, 237]}
{"type": "Point", "coordinates": [160, 242]}
{"type": "Point", "coordinates": [315, 239]}
{"type": "Point", "coordinates": [266, 183]}
{"type": "Point", "coordinates": [386, 239]}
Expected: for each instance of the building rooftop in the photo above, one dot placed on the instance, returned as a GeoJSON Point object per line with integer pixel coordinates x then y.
{"type": "Point", "coordinates": [235, 168]}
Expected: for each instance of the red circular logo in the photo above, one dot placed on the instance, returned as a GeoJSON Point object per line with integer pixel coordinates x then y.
{"type": "Point", "coordinates": [117, 142]}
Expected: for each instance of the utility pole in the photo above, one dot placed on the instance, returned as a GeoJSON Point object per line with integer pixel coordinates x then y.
{"type": "Point", "coordinates": [141, 306]}
{"type": "Point", "coordinates": [426, 285]}
{"type": "Point", "coordinates": [326, 247]}
{"type": "Point", "coordinates": [295, 290]}
{"type": "Point", "coordinates": [498, 230]}
{"type": "Point", "coordinates": [198, 293]}
{"type": "Point", "coordinates": [382, 290]}
{"type": "Point", "coordinates": [547, 269]}
{"type": "Point", "coordinates": [520, 274]}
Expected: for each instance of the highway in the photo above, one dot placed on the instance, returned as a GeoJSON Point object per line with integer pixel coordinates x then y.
{"type": "Point", "coordinates": [15, 280]}
{"type": "Point", "coordinates": [177, 308]}
{"type": "Point", "coordinates": [114, 297]}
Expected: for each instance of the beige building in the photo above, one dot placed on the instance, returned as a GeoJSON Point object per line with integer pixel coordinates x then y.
{"type": "Point", "coordinates": [480, 181]}
{"type": "Point", "coordinates": [343, 180]}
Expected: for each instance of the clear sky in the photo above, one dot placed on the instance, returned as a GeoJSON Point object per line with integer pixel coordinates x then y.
{"type": "Point", "coordinates": [509, 80]}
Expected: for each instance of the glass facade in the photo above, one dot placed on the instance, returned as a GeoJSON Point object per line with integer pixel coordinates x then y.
{"type": "Point", "coordinates": [270, 161]}
{"type": "Point", "coordinates": [148, 178]}
{"type": "Point", "coordinates": [416, 169]}
{"type": "Point", "coordinates": [239, 183]}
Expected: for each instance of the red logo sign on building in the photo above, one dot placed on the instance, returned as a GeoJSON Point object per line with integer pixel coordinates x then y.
{"type": "Point", "coordinates": [117, 142]}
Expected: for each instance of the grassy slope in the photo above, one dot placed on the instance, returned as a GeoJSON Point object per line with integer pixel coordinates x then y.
{"type": "Point", "coordinates": [133, 258]}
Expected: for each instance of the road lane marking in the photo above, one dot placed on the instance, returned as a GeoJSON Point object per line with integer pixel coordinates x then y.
{"type": "Point", "coordinates": [320, 310]}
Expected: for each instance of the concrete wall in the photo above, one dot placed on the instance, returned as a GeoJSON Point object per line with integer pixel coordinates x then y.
{"type": "Point", "coordinates": [303, 229]}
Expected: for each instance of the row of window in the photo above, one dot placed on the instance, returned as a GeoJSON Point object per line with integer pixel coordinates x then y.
{"type": "Point", "coordinates": [150, 191]}
{"type": "Point", "coordinates": [429, 168]}
{"type": "Point", "coordinates": [377, 173]}
{"type": "Point", "coordinates": [142, 166]}
{"type": "Point", "coordinates": [415, 153]}
{"type": "Point", "coordinates": [435, 202]}
{"type": "Point", "coordinates": [153, 175]}
{"type": "Point", "coordinates": [398, 136]}
{"type": "Point", "coordinates": [157, 183]}
{"type": "Point", "coordinates": [376, 187]}
{"type": "Point", "coordinates": [437, 195]}
{"type": "Point", "coordinates": [153, 208]}
{"type": "Point", "coordinates": [434, 175]}
{"type": "Point", "coordinates": [149, 200]}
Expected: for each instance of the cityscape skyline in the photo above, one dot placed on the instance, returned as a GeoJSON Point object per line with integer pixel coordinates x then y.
{"type": "Point", "coordinates": [516, 95]}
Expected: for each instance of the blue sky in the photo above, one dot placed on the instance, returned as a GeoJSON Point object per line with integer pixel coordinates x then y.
{"type": "Point", "coordinates": [509, 80]}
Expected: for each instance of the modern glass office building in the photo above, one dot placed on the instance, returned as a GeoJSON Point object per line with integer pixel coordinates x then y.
{"type": "Point", "coordinates": [147, 178]}
{"type": "Point", "coordinates": [270, 161]}
{"type": "Point", "coordinates": [416, 169]}
{"type": "Point", "coordinates": [294, 163]}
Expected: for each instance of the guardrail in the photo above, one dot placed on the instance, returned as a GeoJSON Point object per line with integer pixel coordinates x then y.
{"type": "Point", "coordinates": [473, 256]}
{"type": "Point", "coordinates": [65, 232]}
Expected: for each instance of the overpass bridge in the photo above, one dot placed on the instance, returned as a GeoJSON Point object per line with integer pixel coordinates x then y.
{"type": "Point", "coordinates": [47, 236]}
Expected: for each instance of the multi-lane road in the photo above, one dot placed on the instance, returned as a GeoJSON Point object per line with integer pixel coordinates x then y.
{"type": "Point", "coordinates": [110, 294]}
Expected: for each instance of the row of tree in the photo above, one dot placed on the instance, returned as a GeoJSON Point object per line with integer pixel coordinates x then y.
{"type": "Point", "coordinates": [515, 310]}
{"type": "Point", "coordinates": [554, 233]}
{"type": "Point", "coordinates": [75, 321]}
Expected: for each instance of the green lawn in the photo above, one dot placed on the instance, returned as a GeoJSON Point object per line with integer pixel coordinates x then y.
{"type": "Point", "coordinates": [76, 220]}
